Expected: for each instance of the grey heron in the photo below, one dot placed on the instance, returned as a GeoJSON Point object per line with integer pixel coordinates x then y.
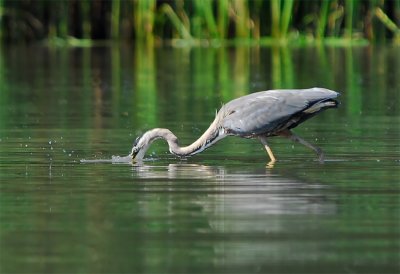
{"type": "Point", "coordinates": [258, 115]}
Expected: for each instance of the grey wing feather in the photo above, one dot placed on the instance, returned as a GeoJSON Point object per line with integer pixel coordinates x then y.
{"type": "Point", "coordinates": [264, 111]}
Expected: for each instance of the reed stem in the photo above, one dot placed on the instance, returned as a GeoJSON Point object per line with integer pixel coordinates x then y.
{"type": "Point", "coordinates": [115, 16]}
{"type": "Point", "coordinates": [276, 18]}
{"type": "Point", "coordinates": [286, 17]}
{"type": "Point", "coordinates": [323, 19]}
{"type": "Point", "coordinates": [349, 12]}
{"type": "Point", "coordinates": [176, 22]}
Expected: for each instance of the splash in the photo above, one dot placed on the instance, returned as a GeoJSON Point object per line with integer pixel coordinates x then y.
{"type": "Point", "coordinates": [114, 159]}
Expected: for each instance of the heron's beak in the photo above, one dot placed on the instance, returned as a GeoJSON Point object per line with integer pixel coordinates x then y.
{"type": "Point", "coordinates": [137, 153]}
{"type": "Point", "coordinates": [133, 155]}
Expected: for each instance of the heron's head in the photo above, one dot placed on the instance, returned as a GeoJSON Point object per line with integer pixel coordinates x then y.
{"type": "Point", "coordinates": [137, 147]}
{"type": "Point", "coordinates": [143, 142]}
{"type": "Point", "coordinates": [140, 147]}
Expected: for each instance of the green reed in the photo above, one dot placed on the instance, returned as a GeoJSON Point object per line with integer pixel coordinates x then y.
{"type": "Point", "coordinates": [323, 19]}
{"type": "Point", "coordinates": [63, 10]}
{"type": "Point", "coordinates": [115, 17]}
{"type": "Point", "coordinates": [286, 16]}
{"type": "Point", "coordinates": [151, 20]}
{"type": "Point", "coordinates": [144, 16]}
{"type": "Point", "coordinates": [204, 12]}
{"type": "Point", "coordinates": [349, 15]}
{"type": "Point", "coordinates": [177, 23]}
{"type": "Point", "coordinates": [242, 19]}
{"type": "Point", "coordinates": [388, 22]}
{"type": "Point", "coordinates": [86, 23]}
{"type": "Point", "coordinates": [223, 18]}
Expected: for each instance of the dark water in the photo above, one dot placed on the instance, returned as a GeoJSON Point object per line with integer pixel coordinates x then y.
{"type": "Point", "coordinates": [221, 211]}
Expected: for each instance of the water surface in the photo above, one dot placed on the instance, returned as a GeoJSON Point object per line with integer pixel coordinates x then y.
{"type": "Point", "coordinates": [224, 210]}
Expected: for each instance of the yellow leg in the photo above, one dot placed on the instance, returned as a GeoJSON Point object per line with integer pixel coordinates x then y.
{"type": "Point", "coordinates": [269, 151]}
{"type": "Point", "coordinates": [270, 154]}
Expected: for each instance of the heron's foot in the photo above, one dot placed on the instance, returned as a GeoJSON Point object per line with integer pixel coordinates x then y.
{"type": "Point", "coordinates": [271, 163]}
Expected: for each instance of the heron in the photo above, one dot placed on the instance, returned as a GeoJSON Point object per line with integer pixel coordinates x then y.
{"type": "Point", "coordinates": [258, 115]}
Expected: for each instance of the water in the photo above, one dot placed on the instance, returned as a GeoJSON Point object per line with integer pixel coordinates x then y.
{"type": "Point", "coordinates": [224, 210]}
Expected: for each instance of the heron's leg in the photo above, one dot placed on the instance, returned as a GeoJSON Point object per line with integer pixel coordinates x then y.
{"type": "Point", "coordinates": [268, 149]}
{"type": "Point", "coordinates": [297, 139]}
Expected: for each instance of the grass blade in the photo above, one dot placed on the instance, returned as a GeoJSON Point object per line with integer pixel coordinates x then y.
{"type": "Point", "coordinates": [286, 17]}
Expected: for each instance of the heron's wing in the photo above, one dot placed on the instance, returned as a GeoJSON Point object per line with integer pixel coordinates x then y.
{"type": "Point", "coordinates": [264, 111]}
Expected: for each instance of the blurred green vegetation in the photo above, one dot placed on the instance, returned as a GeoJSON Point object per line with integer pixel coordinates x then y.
{"type": "Point", "coordinates": [203, 22]}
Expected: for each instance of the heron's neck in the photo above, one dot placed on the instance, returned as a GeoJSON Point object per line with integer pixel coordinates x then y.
{"type": "Point", "coordinates": [210, 136]}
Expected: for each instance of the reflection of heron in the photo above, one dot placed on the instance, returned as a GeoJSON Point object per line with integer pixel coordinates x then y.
{"type": "Point", "coordinates": [259, 115]}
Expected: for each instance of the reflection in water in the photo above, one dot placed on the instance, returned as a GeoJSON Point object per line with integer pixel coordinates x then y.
{"type": "Point", "coordinates": [176, 171]}
{"type": "Point", "coordinates": [251, 204]}
{"type": "Point", "coordinates": [246, 194]}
